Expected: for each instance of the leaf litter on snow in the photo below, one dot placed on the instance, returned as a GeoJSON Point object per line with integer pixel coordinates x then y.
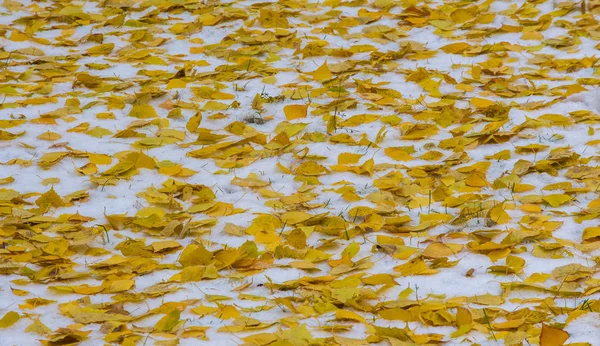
{"type": "Point", "coordinates": [299, 172]}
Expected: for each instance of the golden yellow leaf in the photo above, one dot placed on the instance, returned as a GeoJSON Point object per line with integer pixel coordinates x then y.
{"type": "Point", "coordinates": [176, 84]}
{"type": "Point", "coordinates": [295, 111]}
{"type": "Point", "coordinates": [551, 336]}
{"type": "Point", "coordinates": [50, 198]}
{"type": "Point", "coordinates": [168, 322]}
{"type": "Point", "coordinates": [7, 180]}
{"type": "Point", "coordinates": [273, 19]}
{"type": "Point", "coordinates": [398, 153]}
{"type": "Point", "coordinates": [297, 238]}
{"type": "Point", "coordinates": [195, 255]}
{"type": "Point", "coordinates": [37, 327]}
{"type": "Point", "coordinates": [415, 267]}
{"type": "Point", "coordinates": [322, 73]}
{"type": "Point", "coordinates": [9, 319]}
{"type": "Point", "coordinates": [463, 317]}
{"type": "Point", "coordinates": [99, 159]}
{"type": "Point", "coordinates": [359, 119]}
{"type": "Point", "coordinates": [345, 315]}
{"type": "Point", "coordinates": [481, 103]}
{"type": "Point", "coordinates": [437, 250]}
{"type": "Point", "coordinates": [590, 234]}
{"type": "Point", "coordinates": [348, 158]}
{"type": "Point", "coordinates": [556, 200]}
{"type": "Point", "coordinates": [194, 122]}
{"type": "Point", "coordinates": [143, 111]}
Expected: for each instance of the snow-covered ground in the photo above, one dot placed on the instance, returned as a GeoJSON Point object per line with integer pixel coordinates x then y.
{"type": "Point", "coordinates": [299, 172]}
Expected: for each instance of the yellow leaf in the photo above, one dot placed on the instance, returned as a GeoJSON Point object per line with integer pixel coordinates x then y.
{"type": "Point", "coordinates": [462, 15]}
{"type": "Point", "coordinates": [345, 315]}
{"type": "Point", "coordinates": [192, 273]}
{"type": "Point", "coordinates": [194, 122]}
{"type": "Point", "coordinates": [204, 310]}
{"type": "Point", "coordinates": [379, 279]}
{"type": "Point", "coordinates": [396, 314]}
{"type": "Point", "coordinates": [348, 158]}
{"type": "Point", "coordinates": [481, 103]}
{"type": "Point", "coordinates": [215, 106]}
{"type": "Point", "coordinates": [537, 278]}
{"type": "Point", "coordinates": [510, 324]}
{"type": "Point", "coordinates": [99, 159]}
{"type": "Point", "coordinates": [556, 200]}
{"type": "Point", "coordinates": [228, 312]}
{"type": "Point", "coordinates": [49, 136]}
{"type": "Point", "coordinates": [168, 322]}
{"type": "Point", "coordinates": [501, 155]}
{"type": "Point", "coordinates": [50, 159]}
{"type": "Point", "coordinates": [251, 181]}
{"type": "Point", "coordinates": [405, 293]}
{"type": "Point", "coordinates": [437, 250]}
{"type": "Point", "coordinates": [465, 87]}
{"type": "Point", "coordinates": [590, 234]}
{"type": "Point", "coordinates": [295, 111]}
{"type": "Point", "coordinates": [196, 332]}
{"type": "Point", "coordinates": [195, 255]}
{"type": "Point", "coordinates": [7, 180]}
{"type": "Point", "coordinates": [359, 119]}
{"type": "Point", "coordinates": [260, 339]}
{"type": "Point", "coordinates": [456, 48]}
{"type": "Point", "coordinates": [289, 129]}
{"type": "Point", "coordinates": [297, 239]}
{"type": "Point", "coordinates": [498, 215]}
{"type": "Point", "coordinates": [574, 89]}
{"type": "Point", "coordinates": [360, 211]}
{"type": "Point", "coordinates": [18, 36]}
{"type": "Point", "coordinates": [176, 84]}
{"type": "Point", "coordinates": [294, 217]}
{"type": "Point", "coordinates": [398, 153]}
{"type": "Point", "coordinates": [532, 35]}
{"type": "Point", "coordinates": [273, 19]}
{"type": "Point", "coordinates": [498, 254]}
{"type": "Point", "coordinates": [553, 336]}
{"type": "Point", "coordinates": [418, 131]}
{"type": "Point", "coordinates": [50, 198]}
{"type": "Point", "coordinates": [38, 328]}
{"type": "Point", "coordinates": [9, 319]}
{"type": "Point", "coordinates": [310, 168]}
{"type": "Point", "coordinates": [88, 169]}
{"type": "Point", "coordinates": [415, 267]}
{"type": "Point", "coordinates": [19, 292]}
{"type": "Point", "coordinates": [143, 112]}
{"type": "Point", "coordinates": [105, 115]}
{"type": "Point", "coordinates": [139, 160]}
{"type": "Point", "coordinates": [463, 317]}
{"type": "Point", "coordinates": [462, 330]}
{"type": "Point", "coordinates": [476, 179]}
{"type": "Point", "coordinates": [322, 73]}
{"type": "Point", "coordinates": [101, 49]}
